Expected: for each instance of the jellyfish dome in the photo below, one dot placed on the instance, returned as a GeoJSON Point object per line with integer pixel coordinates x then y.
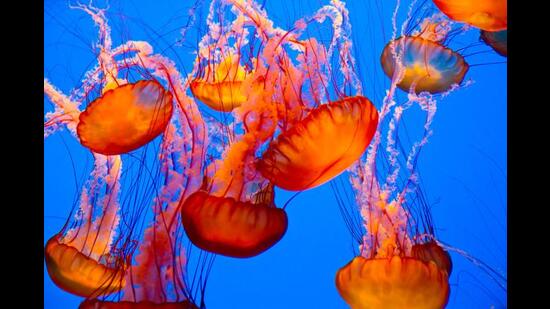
{"type": "Point", "coordinates": [321, 146]}
{"type": "Point", "coordinates": [233, 228]}
{"type": "Point", "coordinates": [79, 274]}
{"type": "Point", "coordinates": [396, 282]}
{"type": "Point", "coordinates": [220, 86]}
{"type": "Point", "coordinates": [125, 118]}
{"type": "Point", "coordinates": [426, 65]}
{"type": "Point", "coordinates": [489, 15]}
{"type": "Point", "coordinates": [497, 40]}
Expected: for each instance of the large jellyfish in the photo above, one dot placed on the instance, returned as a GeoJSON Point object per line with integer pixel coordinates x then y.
{"type": "Point", "coordinates": [234, 213]}
{"type": "Point", "coordinates": [400, 264]}
{"type": "Point", "coordinates": [327, 135]}
{"type": "Point", "coordinates": [489, 15]}
{"type": "Point", "coordinates": [322, 145]}
{"type": "Point", "coordinates": [125, 115]}
{"type": "Point", "coordinates": [125, 118]}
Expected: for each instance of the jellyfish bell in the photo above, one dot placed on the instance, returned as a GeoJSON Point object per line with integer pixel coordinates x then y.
{"type": "Point", "coordinates": [78, 274]}
{"type": "Point", "coordinates": [497, 40]}
{"type": "Point", "coordinates": [321, 146]}
{"type": "Point", "coordinates": [427, 65]}
{"type": "Point", "coordinates": [394, 282]}
{"type": "Point", "coordinates": [489, 15]}
{"type": "Point", "coordinates": [125, 117]}
{"type": "Point", "coordinates": [233, 228]}
{"type": "Point", "coordinates": [220, 86]}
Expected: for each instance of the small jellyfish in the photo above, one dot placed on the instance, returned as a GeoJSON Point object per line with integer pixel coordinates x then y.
{"type": "Point", "coordinates": [497, 40]}
{"type": "Point", "coordinates": [125, 118]}
{"type": "Point", "coordinates": [426, 65]}
{"type": "Point", "coordinates": [489, 15]}
{"type": "Point", "coordinates": [321, 146]}
{"type": "Point", "coordinates": [220, 85]}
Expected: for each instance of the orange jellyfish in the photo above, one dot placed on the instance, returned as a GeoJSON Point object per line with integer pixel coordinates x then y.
{"type": "Point", "coordinates": [322, 145]}
{"type": "Point", "coordinates": [86, 259]}
{"type": "Point", "coordinates": [423, 64]}
{"type": "Point", "coordinates": [79, 274]}
{"type": "Point", "coordinates": [126, 115]}
{"type": "Point", "coordinates": [489, 15]}
{"type": "Point", "coordinates": [233, 228]}
{"type": "Point", "coordinates": [400, 264]}
{"type": "Point", "coordinates": [320, 136]}
{"type": "Point", "coordinates": [396, 282]}
{"type": "Point", "coordinates": [497, 40]}
{"type": "Point", "coordinates": [125, 118]}
{"type": "Point", "coordinates": [220, 86]}
{"type": "Point", "coordinates": [233, 213]}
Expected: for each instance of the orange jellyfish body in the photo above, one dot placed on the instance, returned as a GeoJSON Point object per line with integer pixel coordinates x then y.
{"type": "Point", "coordinates": [221, 87]}
{"type": "Point", "coordinates": [321, 146]}
{"type": "Point", "coordinates": [396, 282]}
{"type": "Point", "coordinates": [497, 40]}
{"type": "Point", "coordinates": [97, 304]}
{"type": "Point", "coordinates": [125, 118]}
{"type": "Point", "coordinates": [222, 96]}
{"type": "Point", "coordinates": [427, 65]}
{"type": "Point", "coordinates": [78, 274]}
{"type": "Point", "coordinates": [232, 228]}
{"type": "Point", "coordinates": [489, 15]}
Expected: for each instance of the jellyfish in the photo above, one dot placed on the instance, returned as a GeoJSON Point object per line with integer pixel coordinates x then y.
{"type": "Point", "coordinates": [488, 15]}
{"type": "Point", "coordinates": [233, 213]}
{"type": "Point", "coordinates": [497, 40]}
{"type": "Point", "coordinates": [219, 86]}
{"type": "Point", "coordinates": [125, 118]}
{"type": "Point", "coordinates": [233, 228]}
{"type": "Point", "coordinates": [139, 268]}
{"type": "Point", "coordinates": [125, 115]}
{"type": "Point", "coordinates": [420, 62]}
{"type": "Point", "coordinates": [398, 249]}
{"type": "Point", "coordinates": [326, 142]}
{"type": "Point", "coordinates": [88, 258]}
{"type": "Point", "coordinates": [327, 135]}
